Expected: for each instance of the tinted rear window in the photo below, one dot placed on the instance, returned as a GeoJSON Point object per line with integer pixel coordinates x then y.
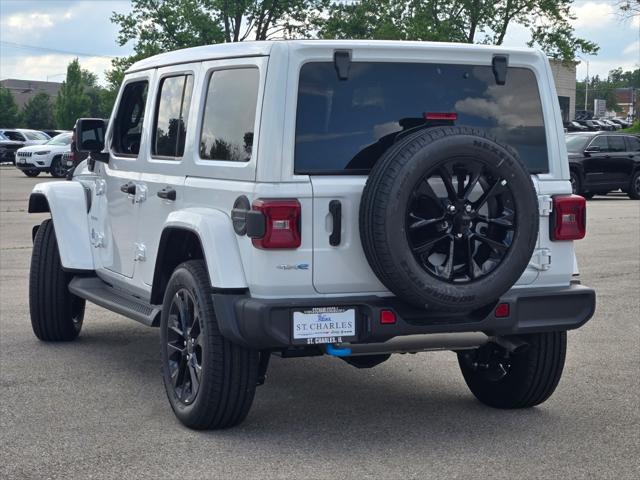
{"type": "Point", "coordinates": [345, 126]}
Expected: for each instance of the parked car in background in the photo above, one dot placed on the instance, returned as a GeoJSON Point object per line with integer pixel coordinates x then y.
{"type": "Point", "coordinates": [591, 125]}
{"type": "Point", "coordinates": [575, 127]}
{"type": "Point", "coordinates": [611, 124]}
{"type": "Point", "coordinates": [54, 133]}
{"type": "Point", "coordinates": [46, 157]}
{"type": "Point", "coordinates": [604, 162]}
{"type": "Point", "coordinates": [25, 135]}
{"type": "Point", "coordinates": [622, 122]}
{"type": "Point", "coordinates": [8, 149]}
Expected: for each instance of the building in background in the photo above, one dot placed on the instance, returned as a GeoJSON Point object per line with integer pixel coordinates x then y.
{"type": "Point", "coordinates": [628, 101]}
{"type": "Point", "coordinates": [564, 75]}
{"type": "Point", "coordinates": [25, 90]}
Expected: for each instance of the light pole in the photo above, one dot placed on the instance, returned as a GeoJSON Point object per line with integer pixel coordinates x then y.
{"type": "Point", "coordinates": [586, 83]}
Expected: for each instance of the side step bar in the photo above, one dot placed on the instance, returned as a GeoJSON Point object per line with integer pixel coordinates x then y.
{"type": "Point", "coordinates": [96, 291]}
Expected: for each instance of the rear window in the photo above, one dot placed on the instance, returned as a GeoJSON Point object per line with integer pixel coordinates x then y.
{"type": "Point", "coordinates": [344, 126]}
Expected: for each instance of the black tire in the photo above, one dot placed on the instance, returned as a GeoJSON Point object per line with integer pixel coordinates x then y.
{"type": "Point", "coordinates": [531, 376]}
{"type": "Point", "coordinates": [634, 186]}
{"type": "Point", "coordinates": [57, 170]}
{"type": "Point", "coordinates": [576, 183]}
{"type": "Point", "coordinates": [589, 195]}
{"type": "Point", "coordinates": [56, 314]}
{"type": "Point", "coordinates": [223, 392]}
{"type": "Point", "coordinates": [385, 207]}
{"type": "Point", "coordinates": [31, 173]}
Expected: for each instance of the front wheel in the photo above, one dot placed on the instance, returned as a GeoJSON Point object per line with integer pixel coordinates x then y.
{"type": "Point", "coordinates": [634, 187]}
{"type": "Point", "coordinates": [32, 172]}
{"type": "Point", "coordinates": [210, 381]}
{"type": "Point", "coordinates": [56, 314]}
{"type": "Point", "coordinates": [57, 169]}
{"type": "Point", "coordinates": [517, 380]}
{"type": "Point", "coordinates": [576, 186]}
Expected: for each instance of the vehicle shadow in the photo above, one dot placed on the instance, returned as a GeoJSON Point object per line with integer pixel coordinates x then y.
{"type": "Point", "coordinates": [321, 402]}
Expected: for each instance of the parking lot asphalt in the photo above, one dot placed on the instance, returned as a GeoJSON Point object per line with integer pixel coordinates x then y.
{"type": "Point", "coordinates": [96, 407]}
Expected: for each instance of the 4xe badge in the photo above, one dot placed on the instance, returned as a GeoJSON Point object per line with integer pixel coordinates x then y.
{"type": "Point", "coordinates": [297, 266]}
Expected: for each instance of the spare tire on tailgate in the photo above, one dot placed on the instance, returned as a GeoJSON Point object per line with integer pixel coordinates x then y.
{"type": "Point", "coordinates": [449, 218]}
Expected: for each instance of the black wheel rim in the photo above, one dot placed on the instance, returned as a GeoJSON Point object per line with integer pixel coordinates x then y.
{"type": "Point", "coordinates": [58, 168]}
{"type": "Point", "coordinates": [637, 184]}
{"type": "Point", "coordinates": [461, 220]}
{"type": "Point", "coordinates": [574, 184]}
{"type": "Point", "coordinates": [184, 347]}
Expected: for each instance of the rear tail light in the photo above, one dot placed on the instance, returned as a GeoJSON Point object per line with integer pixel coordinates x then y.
{"type": "Point", "coordinates": [440, 116]}
{"type": "Point", "coordinates": [281, 224]}
{"type": "Point", "coordinates": [568, 218]}
{"type": "Point", "coordinates": [387, 317]}
{"type": "Point", "coordinates": [502, 310]}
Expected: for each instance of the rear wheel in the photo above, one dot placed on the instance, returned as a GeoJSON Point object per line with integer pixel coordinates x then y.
{"type": "Point", "coordinates": [56, 314]}
{"type": "Point", "coordinates": [518, 380]}
{"type": "Point", "coordinates": [210, 381]}
{"type": "Point", "coordinates": [57, 170]}
{"type": "Point", "coordinates": [634, 187]}
{"type": "Point", "coordinates": [31, 172]}
{"type": "Point", "coordinates": [576, 185]}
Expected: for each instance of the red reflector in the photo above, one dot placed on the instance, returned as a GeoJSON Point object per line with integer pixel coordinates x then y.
{"type": "Point", "coordinates": [568, 218]}
{"type": "Point", "coordinates": [502, 310]}
{"type": "Point", "coordinates": [387, 316]}
{"type": "Point", "coordinates": [441, 116]}
{"type": "Point", "coordinates": [282, 218]}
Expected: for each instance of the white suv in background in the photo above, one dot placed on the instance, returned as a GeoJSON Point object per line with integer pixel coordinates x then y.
{"type": "Point", "coordinates": [45, 157]}
{"type": "Point", "coordinates": [346, 198]}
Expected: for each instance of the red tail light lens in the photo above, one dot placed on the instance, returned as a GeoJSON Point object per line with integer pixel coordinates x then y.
{"type": "Point", "coordinates": [502, 310]}
{"type": "Point", "coordinates": [387, 317]}
{"type": "Point", "coordinates": [282, 224]}
{"type": "Point", "coordinates": [440, 116]}
{"type": "Point", "coordinates": [568, 218]}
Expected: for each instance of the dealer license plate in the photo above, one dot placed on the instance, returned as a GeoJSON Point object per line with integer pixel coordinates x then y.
{"type": "Point", "coordinates": [324, 325]}
{"type": "Point", "coordinates": [22, 161]}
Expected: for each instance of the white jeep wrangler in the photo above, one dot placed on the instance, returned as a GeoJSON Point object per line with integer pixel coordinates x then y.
{"type": "Point", "coordinates": [347, 198]}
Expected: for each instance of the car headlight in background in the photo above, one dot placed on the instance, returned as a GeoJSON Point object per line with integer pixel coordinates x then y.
{"type": "Point", "coordinates": [43, 152]}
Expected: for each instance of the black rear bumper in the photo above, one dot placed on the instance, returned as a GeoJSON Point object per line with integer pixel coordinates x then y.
{"type": "Point", "coordinates": [267, 324]}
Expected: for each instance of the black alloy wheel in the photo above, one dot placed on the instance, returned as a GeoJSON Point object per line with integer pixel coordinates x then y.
{"type": "Point", "coordinates": [58, 170]}
{"type": "Point", "coordinates": [575, 183]}
{"type": "Point", "coordinates": [634, 188]}
{"type": "Point", "coordinates": [184, 347]}
{"type": "Point", "coordinates": [461, 219]}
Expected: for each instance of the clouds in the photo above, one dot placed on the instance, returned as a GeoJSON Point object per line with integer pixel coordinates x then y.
{"type": "Point", "coordinates": [77, 27]}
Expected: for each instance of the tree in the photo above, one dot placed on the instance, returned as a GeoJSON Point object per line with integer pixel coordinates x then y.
{"type": "Point", "coordinates": [72, 101]}
{"type": "Point", "coordinates": [603, 89]}
{"type": "Point", "coordinates": [9, 113]}
{"type": "Point", "coordinates": [157, 26]}
{"type": "Point", "coordinates": [38, 112]}
{"type": "Point", "coordinates": [469, 21]}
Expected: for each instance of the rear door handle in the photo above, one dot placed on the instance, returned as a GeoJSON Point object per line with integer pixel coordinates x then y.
{"type": "Point", "coordinates": [167, 193]}
{"type": "Point", "coordinates": [129, 188]}
{"type": "Point", "coordinates": [335, 209]}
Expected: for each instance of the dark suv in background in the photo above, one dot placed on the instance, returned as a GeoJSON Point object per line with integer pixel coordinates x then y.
{"type": "Point", "coordinates": [603, 162]}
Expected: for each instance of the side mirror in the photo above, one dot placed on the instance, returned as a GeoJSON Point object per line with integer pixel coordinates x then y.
{"type": "Point", "coordinates": [88, 137]}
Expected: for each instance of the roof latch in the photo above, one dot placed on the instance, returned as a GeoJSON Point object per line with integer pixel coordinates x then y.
{"type": "Point", "coordinates": [500, 64]}
{"type": "Point", "coordinates": [342, 62]}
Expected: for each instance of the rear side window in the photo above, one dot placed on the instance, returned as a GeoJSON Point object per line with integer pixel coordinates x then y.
{"type": "Point", "coordinates": [16, 136]}
{"type": "Point", "coordinates": [127, 129]}
{"type": "Point", "coordinates": [36, 136]}
{"type": "Point", "coordinates": [229, 115]}
{"type": "Point", "coordinates": [344, 126]}
{"type": "Point", "coordinates": [172, 115]}
{"type": "Point", "coordinates": [616, 144]}
{"type": "Point", "coordinates": [633, 144]}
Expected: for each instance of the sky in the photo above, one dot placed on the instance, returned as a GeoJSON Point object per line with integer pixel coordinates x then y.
{"type": "Point", "coordinates": [38, 38]}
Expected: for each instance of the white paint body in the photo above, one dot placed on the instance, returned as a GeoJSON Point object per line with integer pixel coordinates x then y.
{"type": "Point", "coordinates": [118, 224]}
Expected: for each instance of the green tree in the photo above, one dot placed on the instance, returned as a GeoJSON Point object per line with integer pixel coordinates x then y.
{"type": "Point", "coordinates": [156, 26]}
{"type": "Point", "coordinates": [72, 101]}
{"type": "Point", "coordinates": [599, 88]}
{"type": "Point", "coordinates": [9, 113]}
{"type": "Point", "coordinates": [38, 112]}
{"type": "Point", "coordinates": [469, 21]}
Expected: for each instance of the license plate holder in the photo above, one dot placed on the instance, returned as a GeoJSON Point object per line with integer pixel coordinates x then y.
{"type": "Point", "coordinates": [321, 325]}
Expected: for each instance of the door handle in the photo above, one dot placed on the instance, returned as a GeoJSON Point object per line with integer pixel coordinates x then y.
{"type": "Point", "coordinates": [167, 193]}
{"type": "Point", "coordinates": [129, 188]}
{"type": "Point", "coordinates": [335, 209]}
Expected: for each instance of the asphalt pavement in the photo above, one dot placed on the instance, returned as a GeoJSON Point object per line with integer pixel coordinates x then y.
{"type": "Point", "coordinates": [96, 407]}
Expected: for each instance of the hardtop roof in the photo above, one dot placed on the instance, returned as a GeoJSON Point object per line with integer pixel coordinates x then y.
{"type": "Point", "coordinates": [264, 48]}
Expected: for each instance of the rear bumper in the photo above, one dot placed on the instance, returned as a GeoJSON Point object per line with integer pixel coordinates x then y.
{"type": "Point", "coordinates": [267, 324]}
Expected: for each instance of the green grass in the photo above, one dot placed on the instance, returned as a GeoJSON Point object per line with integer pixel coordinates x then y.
{"type": "Point", "coordinates": [635, 128]}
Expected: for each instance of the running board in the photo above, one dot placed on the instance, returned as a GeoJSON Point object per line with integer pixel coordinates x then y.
{"type": "Point", "coordinates": [96, 291]}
